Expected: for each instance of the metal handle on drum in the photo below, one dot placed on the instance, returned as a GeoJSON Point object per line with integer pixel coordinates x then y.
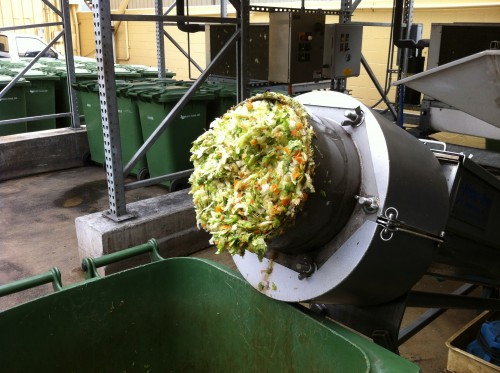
{"type": "Point", "coordinates": [391, 224]}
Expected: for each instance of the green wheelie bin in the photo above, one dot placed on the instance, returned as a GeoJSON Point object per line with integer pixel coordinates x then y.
{"type": "Point", "coordinates": [40, 98]}
{"type": "Point", "coordinates": [62, 91]}
{"type": "Point", "coordinates": [128, 118]}
{"type": "Point", "coordinates": [175, 315]}
{"type": "Point", "coordinates": [170, 153]}
{"type": "Point", "coordinates": [13, 105]}
{"type": "Point", "coordinates": [224, 99]}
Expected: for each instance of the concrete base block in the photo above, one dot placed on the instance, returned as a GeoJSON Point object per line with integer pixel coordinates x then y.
{"type": "Point", "coordinates": [43, 151]}
{"type": "Point", "coordinates": [170, 219]}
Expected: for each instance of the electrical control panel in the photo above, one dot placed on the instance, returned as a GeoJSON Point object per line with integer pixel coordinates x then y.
{"type": "Point", "coordinates": [296, 47]}
{"type": "Point", "coordinates": [342, 50]}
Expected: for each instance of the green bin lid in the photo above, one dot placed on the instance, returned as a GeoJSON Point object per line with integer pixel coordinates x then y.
{"type": "Point", "coordinates": [6, 79]}
{"type": "Point", "coordinates": [35, 74]}
{"type": "Point", "coordinates": [124, 73]}
{"type": "Point", "coordinates": [172, 93]}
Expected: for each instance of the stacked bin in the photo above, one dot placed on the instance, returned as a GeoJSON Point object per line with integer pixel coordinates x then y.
{"type": "Point", "coordinates": [13, 105]}
{"type": "Point", "coordinates": [224, 99]}
{"type": "Point", "coordinates": [170, 153]}
{"type": "Point", "coordinates": [40, 97]}
{"type": "Point", "coordinates": [128, 117]}
{"type": "Point", "coordinates": [62, 89]}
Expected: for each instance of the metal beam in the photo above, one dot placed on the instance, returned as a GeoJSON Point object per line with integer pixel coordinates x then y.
{"type": "Point", "coordinates": [109, 111]}
{"type": "Point", "coordinates": [34, 118]}
{"type": "Point", "coordinates": [160, 18]}
{"type": "Point", "coordinates": [32, 25]}
{"type": "Point", "coordinates": [54, 9]}
{"type": "Point", "coordinates": [70, 65]}
{"type": "Point", "coordinates": [379, 88]}
{"type": "Point", "coordinates": [158, 179]}
{"type": "Point", "coordinates": [179, 47]}
{"type": "Point", "coordinates": [179, 106]}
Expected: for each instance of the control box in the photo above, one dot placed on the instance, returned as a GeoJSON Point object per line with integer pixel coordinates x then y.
{"type": "Point", "coordinates": [296, 43]}
{"type": "Point", "coordinates": [342, 56]}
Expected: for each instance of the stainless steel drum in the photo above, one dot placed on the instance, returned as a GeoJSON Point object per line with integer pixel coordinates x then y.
{"type": "Point", "coordinates": [369, 231]}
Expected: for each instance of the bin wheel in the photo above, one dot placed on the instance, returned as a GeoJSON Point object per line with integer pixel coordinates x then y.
{"type": "Point", "coordinates": [87, 159]}
{"type": "Point", "coordinates": [179, 184]}
{"type": "Point", "coordinates": [143, 174]}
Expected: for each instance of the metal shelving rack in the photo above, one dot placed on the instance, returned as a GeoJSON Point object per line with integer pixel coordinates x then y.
{"type": "Point", "coordinates": [64, 13]}
{"type": "Point", "coordinates": [116, 171]}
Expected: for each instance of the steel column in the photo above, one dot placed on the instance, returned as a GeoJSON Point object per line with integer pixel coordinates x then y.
{"type": "Point", "coordinates": [70, 65]}
{"type": "Point", "coordinates": [109, 111]}
{"type": "Point", "coordinates": [242, 80]}
{"type": "Point", "coordinates": [160, 41]}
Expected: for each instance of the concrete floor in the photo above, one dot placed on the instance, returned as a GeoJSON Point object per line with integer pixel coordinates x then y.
{"type": "Point", "coordinates": [37, 232]}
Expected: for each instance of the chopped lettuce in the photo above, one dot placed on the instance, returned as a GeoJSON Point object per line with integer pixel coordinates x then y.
{"type": "Point", "coordinates": [252, 172]}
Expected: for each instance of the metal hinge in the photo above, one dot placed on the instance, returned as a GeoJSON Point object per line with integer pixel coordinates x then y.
{"type": "Point", "coordinates": [391, 224]}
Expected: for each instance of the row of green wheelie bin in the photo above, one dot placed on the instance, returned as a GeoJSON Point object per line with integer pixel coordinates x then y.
{"type": "Point", "coordinates": [142, 106]}
{"type": "Point", "coordinates": [44, 90]}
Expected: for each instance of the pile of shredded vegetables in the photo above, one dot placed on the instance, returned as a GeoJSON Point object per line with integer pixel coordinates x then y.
{"type": "Point", "coordinates": [252, 172]}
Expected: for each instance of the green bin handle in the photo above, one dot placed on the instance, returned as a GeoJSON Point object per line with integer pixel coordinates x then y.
{"type": "Point", "coordinates": [90, 265]}
{"type": "Point", "coordinates": [54, 276]}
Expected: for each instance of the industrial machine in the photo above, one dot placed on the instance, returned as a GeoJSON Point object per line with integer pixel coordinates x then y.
{"type": "Point", "coordinates": [458, 55]}
{"type": "Point", "coordinates": [387, 210]}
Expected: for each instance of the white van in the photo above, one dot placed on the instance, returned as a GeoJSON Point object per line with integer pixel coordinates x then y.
{"type": "Point", "coordinates": [15, 46]}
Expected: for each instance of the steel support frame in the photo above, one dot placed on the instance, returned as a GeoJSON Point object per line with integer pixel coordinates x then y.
{"type": "Point", "coordinates": [115, 171]}
{"type": "Point", "coordinates": [109, 111]}
{"type": "Point", "coordinates": [160, 41]}
{"type": "Point", "coordinates": [70, 66]}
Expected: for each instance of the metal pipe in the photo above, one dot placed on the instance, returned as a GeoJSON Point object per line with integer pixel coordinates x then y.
{"type": "Point", "coordinates": [182, 25]}
{"type": "Point", "coordinates": [178, 107]}
{"type": "Point", "coordinates": [178, 46]}
{"type": "Point", "coordinates": [372, 76]}
{"type": "Point", "coordinates": [32, 62]}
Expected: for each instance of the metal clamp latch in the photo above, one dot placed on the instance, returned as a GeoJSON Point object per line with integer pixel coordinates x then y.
{"type": "Point", "coordinates": [391, 224]}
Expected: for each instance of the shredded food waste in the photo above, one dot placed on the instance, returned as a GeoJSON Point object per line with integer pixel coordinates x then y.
{"type": "Point", "coordinates": [253, 172]}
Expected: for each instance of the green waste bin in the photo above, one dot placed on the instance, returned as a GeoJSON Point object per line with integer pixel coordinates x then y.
{"type": "Point", "coordinates": [88, 92]}
{"type": "Point", "coordinates": [128, 118]}
{"type": "Point", "coordinates": [170, 153]}
{"type": "Point", "coordinates": [40, 98]}
{"type": "Point", "coordinates": [62, 91]}
{"type": "Point", "coordinates": [13, 105]}
{"type": "Point", "coordinates": [224, 99]}
{"type": "Point", "coordinates": [177, 315]}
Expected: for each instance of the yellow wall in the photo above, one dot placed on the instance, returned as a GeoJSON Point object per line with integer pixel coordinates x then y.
{"type": "Point", "coordinates": [135, 41]}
